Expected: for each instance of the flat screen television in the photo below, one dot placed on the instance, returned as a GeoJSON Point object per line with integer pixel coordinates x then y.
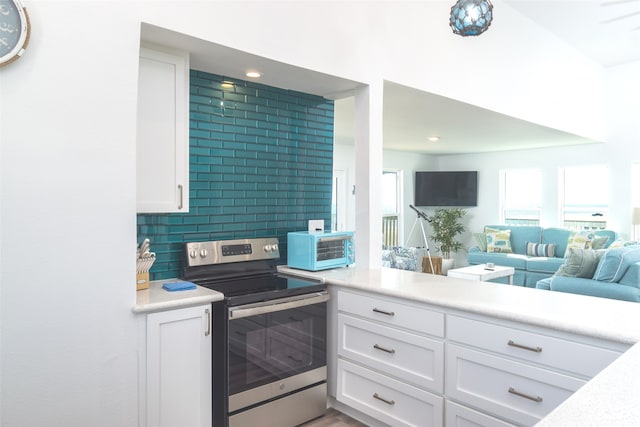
{"type": "Point", "coordinates": [454, 188]}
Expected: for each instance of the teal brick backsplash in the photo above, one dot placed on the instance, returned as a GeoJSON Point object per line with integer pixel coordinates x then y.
{"type": "Point", "coordinates": [261, 165]}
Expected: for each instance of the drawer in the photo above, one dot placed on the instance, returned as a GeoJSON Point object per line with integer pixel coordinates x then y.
{"type": "Point", "coordinates": [571, 356]}
{"type": "Point", "coordinates": [390, 401]}
{"type": "Point", "coordinates": [460, 416]}
{"type": "Point", "coordinates": [407, 356]}
{"type": "Point", "coordinates": [392, 313]}
{"type": "Point", "coordinates": [506, 388]}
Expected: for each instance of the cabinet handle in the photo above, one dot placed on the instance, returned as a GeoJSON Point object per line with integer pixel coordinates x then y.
{"type": "Point", "coordinates": [180, 204]}
{"type": "Point", "coordinates": [524, 347]}
{"type": "Point", "coordinates": [526, 396]}
{"type": "Point", "coordinates": [388, 313]}
{"type": "Point", "coordinates": [387, 401]}
{"type": "Point", "coordinates": [386, 350]}
{"type": "Point", "coordinates": [208, 331]}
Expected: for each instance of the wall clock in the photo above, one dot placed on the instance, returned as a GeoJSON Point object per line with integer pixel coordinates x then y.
{"type": "Point", "coordinates": [14, 31]}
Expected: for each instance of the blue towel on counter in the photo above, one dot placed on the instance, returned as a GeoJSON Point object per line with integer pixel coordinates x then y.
{"type": "Point", "coordinates": [178, 286]}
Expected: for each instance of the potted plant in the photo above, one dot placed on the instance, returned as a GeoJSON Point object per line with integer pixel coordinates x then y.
{"type": "Point", "coordinates": [446, 227]}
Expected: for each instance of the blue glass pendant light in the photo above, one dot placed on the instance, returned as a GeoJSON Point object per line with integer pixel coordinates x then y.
{"type": "Point", "coordinates": [471, 17]}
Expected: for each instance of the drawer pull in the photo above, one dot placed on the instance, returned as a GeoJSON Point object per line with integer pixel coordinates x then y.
{"type": "Point", "coordinates": [526, 396]}
{"type": "Point", "coordinates": [387, 401]}
{"type": "Point", "coordinates": [388, 313]}
{"type": "Point", "coordinates": [524, 347]}
{"type": "Point", "coordinates": [386, 350]}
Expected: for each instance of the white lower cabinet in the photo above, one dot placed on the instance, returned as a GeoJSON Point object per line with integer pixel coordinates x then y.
{"type": "Point", "coordinates": [176, 389]}
{"type": "Point", "coordinates": [404, 363]}
{"type": "Point", "coordinates": [390, 359]}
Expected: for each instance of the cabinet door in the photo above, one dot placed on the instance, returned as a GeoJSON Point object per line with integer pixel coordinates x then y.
{"type": "Point", "coordinates": [179, 368]}
{"type": "Point", "coordinates": [163, 132]}
{"type": "Point", "coordinates": [386, 399]}
{"type": "Point", "coordinates": [410, 357]}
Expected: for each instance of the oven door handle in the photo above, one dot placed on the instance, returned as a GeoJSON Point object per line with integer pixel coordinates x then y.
{"type": "Point", "coordinates": [277, 305]}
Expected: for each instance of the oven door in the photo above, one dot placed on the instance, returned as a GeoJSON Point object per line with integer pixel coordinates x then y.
{"type": "Point", "coordinates": [333, 251]}
{"type": "Point", "coordinates": [275, 348]}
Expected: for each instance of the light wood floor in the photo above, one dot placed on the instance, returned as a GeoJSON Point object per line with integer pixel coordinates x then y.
{"type": "Point", "coordinates": [333, 418]}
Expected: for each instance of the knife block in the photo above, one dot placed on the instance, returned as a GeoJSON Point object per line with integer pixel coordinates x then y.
{"type": "Point", "coordinates": [142, 281]}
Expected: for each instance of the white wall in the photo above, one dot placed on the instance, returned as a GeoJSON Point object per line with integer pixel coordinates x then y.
{"type": "Point", "coordinates": [67, 147]}
{"type": "Point", "coordinates": [67, 140]}
{"type": "Point", "coordinates": [408, 164]}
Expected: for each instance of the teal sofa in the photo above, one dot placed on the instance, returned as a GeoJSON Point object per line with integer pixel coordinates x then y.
{"type": "Point", "coordinates": [530, 269]}
{"type": "Point", "coordinates": [616, 276]}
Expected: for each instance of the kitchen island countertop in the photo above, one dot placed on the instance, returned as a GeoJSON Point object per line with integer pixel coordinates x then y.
{"type": "Point", "coordinates": [603, 318]}
{"type": "Point", "coordinates": [609, 399]}
{"type": "Point", "coordinates": [157, 299]}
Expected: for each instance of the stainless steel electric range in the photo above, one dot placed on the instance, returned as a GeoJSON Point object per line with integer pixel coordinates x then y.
{"type": "Point", "coordinates": [269, 334]}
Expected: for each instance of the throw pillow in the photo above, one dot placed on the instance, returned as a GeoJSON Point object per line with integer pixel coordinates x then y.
{"type": "Point", "coordinates": [498, 240]}
{"type": "Point", "coordinates": [599, 242]}
{"type": "Point", "coordinates": [615, 262]}
{"type": "Point", "coordinates": [619, 243]}
{"type": "Point", "coordinates": [541, 249]}
{"type": "Point", "coordinates": [578, 240]}
{"type": "Point", "coordinates": [632, 276]}
{"type": "Point", "coordinates": [481, 240]}
{"type": "Point", "coordinates": [580, 263]}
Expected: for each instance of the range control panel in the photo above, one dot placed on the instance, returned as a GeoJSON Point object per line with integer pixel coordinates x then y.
{"type": "Point", "coordinates": [224, 251]}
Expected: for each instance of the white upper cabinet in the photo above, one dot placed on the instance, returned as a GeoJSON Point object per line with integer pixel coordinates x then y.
{"type": "Point", "coordinates": [163, 131]}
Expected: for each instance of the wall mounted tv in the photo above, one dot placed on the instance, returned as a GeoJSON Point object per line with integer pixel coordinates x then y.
{"type": "Point", "coordinates": [455, 188]}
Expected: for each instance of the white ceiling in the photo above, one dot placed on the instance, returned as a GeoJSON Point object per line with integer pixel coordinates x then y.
{"type": "Point", "coordinates": [607, 31]}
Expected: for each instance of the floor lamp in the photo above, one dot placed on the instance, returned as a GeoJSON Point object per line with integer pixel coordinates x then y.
{"type": "Point", "coordinates": [635, 222]}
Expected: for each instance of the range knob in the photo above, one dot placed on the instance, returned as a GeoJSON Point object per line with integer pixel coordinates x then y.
{"type": "Point", "coordinates": [268, 248]}
{"type": "Point", "coordinates": [203, 253]}
{"type": "Point", "coordinates": [193, 254]}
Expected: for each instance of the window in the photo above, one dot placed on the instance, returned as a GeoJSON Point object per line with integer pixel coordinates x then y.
{"type": "Point", "coordinates": [521, 196]}
{"type": "Point", "coordinates": [585, 197]}
{"type": "Point", "coordinates": [391, 202]}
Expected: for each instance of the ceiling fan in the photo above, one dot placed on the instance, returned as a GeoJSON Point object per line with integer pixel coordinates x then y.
{"type": "Point", "coordinates": [629, 12]}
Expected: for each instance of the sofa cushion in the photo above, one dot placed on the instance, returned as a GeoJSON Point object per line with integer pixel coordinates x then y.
{"type": "Point", "coordinates": [498, 240]}
{"type": "Point", "coordinates": [576, 285]}
{"type": "Point", "coordinates": [580, 263]}
{"type": "Point", "coordinates": [481, 240]}
{"type": "Point", "coordinates": [541, 249]}
{"type": "Point", "coordinates": [632, 276]}
{"type": "Point", "coordinates": [544, 265]}
{"type": "Point", "coordinates": [508, 260]}
{"type": "Point", "coordinates": [520, 235]}
{"type": "Point", "coordinates": [544, 284]}
{"type": "Point", "coordinates": [615, 262]}
{"type": "Point", "coordinates": [558, 237]}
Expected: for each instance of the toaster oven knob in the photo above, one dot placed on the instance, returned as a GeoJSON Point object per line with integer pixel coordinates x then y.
{"type": "Point", "coordinates": [203, 253]}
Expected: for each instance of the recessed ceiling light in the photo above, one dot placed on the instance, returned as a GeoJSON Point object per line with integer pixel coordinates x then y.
{"type": "Point", "coordinates": [253, 74]}
{"type": "Point", "coordinates": [434, 138]}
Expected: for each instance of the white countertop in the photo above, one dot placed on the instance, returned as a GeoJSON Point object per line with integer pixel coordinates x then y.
{"type": "Point", "coordinates": [157, 299]}
{"type": "Point", "coordinates": [596, 317]}
{"type": "Point", "coordinates": [611, 398]}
